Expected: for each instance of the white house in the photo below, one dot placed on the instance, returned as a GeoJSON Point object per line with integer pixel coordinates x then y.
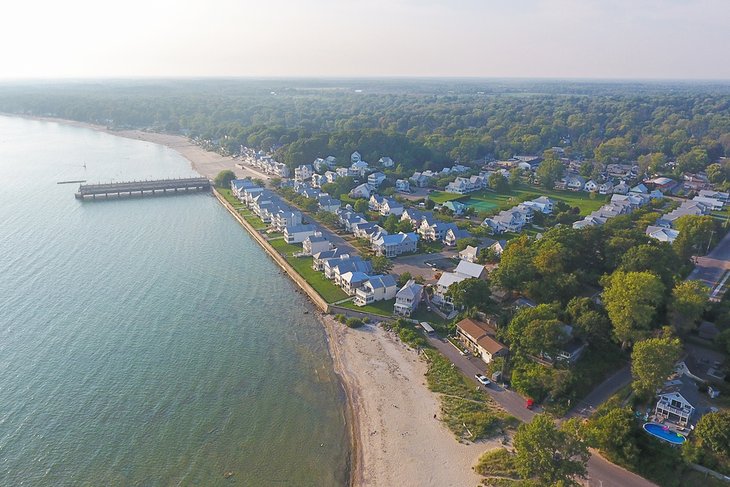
{"type": "Point", "coordinates": [361, 191]}
{"type": "Point", "coordinates": [376, 179]}
{"type": "Point", "coordinates": [316, 243]}
{"type": "Point", "coordinates": [543, 204]}
{"type": "Point", "coordinates": [360, 167]}
{"type": "Point", "coordinates": [470, 253]}
{"type": "Point", "coordinates": [351, 281]}
{"type": "Point", "coordinates": [395, 244]}
{"type": "Point", "coordinates": [674, 407]}
{"type": "Point", "coordinates": [465, 270]}
{"type": "Point", "coordinates": [303, 172]}
{"type": "Point", "coordinates": [390, 207]}
{"type": "Point", "coordinates": [605, 188]}
{"type": "Point", "coordinates": [718, 195]}
{"type": "Point", "coordinates": [662, 234]}
{"type": "Point", "coordinates": [298, 233]}
{"type": "Point", "coordinates": [408, 298]}
{"type": "Point", "coordinates": [386, 161]}
{"type": "Point", "coordinates": [376, 288]}
{"type": "Point", "coordinates": [355, 157]}
{"type": "Point", "coordinates": [471, 270]}
{"type": "Point", "coordinates": [513, 220]}
{"type": "Point", "coordinates": [402, 185]}
{"type": "Point", "coordinates": [591, 186]}
{"type": "Point", "coordinates": [575, 183]}
{"type": "Point", "coordinates": [453, 235]}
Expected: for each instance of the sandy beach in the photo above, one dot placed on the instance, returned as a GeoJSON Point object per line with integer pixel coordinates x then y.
{"type": "Point", "coordinates": [397, 439]}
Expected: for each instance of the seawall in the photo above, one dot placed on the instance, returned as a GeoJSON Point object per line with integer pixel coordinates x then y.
{"type": "Point", "coordinates": [280, 261]}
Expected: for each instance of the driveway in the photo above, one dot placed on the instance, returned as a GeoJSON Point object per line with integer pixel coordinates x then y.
{"type": "Point", "coordinates": [601, 393]}
{"type": "Point", "coordinates": [416, 264]}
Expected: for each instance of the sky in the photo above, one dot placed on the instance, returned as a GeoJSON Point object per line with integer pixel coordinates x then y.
{"type": "Point", "coordinates": [625, 39]}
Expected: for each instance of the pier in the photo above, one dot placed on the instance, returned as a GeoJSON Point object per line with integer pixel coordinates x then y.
{"type": "Point", "coordinates": [142, 188]}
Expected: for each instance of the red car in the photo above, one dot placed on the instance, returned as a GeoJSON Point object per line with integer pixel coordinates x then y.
{"type": "Point", "coordinates": [530, 403]}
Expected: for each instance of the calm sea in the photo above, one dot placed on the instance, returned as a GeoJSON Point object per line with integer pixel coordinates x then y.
{"type": "Point", "coordinates": [148, 341]}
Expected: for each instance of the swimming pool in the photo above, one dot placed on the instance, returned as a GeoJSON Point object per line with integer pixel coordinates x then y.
{"type": "Point", "coordinates": [664, 433]}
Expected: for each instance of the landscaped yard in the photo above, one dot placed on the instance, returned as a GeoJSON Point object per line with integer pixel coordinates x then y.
{"type": "Point", "coordinates": [323, 286]}
{"type": "Point", "coordinates": [285, 249]}
{"type": "Point", "coordinates": [491, 201]}
{"type": "Point", "coordinates": [384, 308]}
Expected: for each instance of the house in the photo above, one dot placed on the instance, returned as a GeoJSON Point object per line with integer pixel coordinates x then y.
{"type": "Point", "coordinates": [480, 339]}
{"type": "Point", "coordinates": [471, 270]}
{"type": "Point", "coordinates": [591, 186]}
{"type": "Point", "coordinates": [395, 244]}
{"type": "Point", "coordinates": [605, 188]}
{"type": "Point", "coordinates": [662, 234]}
{"type": "Point", "coordinates": [390, 207]}
{"type": "Point", "coordinates": [344, 172]}
{"type": "Point", "coordinates": [674, 407]}
{"type": "Point", "coordinates": [376, 288]}
{"type": "Point", "coordinates": [575, 183]}
{"type": "Point", "coordinates": [239, 185]}
{"type": "Point", "coordinates": [718, 195]}
{"type": "Point", "coordinates": [402, 185]}
{"type": "Point", "coordinates": [320, 165]}
{"type": "Point", "coordinates": [386, 161]}
{"type": "Point", "coordinates": [318, 180]}
{"type": "Point", "coordinates": [470, 253]}
{"type": "Point", "coordinates": [686, 208]}
{"type": "Point", "coordinates": [361, 191]}
{"type": "Point", "coordinates": [498, 246]}
{"type": "Point", "coordinates": [571, 351]}
{"type": "Point", "coordinates": [319, 258]}
{"type": "Point", "coordinates": [543, 204]}
{"type": "Point", "coordinates": [456, 207]}
{"type": "Point", "coordinates": [662, 184]}
{"type": "Point", "coordinates": [640, 188]}
{"type": "Point", "coordinates": [621, 188]}
{"type": "Point", "coordinates": [335, 268]}
{"type": "Point", "coordinates": [453, 235]}
{"type": "Point", "coordinates": [316, 243]}
{"type": "Point", "coordinates": [329, 204]}
{"type": "Point", "coordinates": [375, 202]}
{"type": "Point", "coordinates": [513, 220]}
{"type": "Point", "coordinates": [415, 216]}
{"type": "Point", "coordinates": [360, 168]}
{"type": "Point", "coordinates": [298, 233]}
{"type": "Point", "coordinates": [715, 204]}
{"type": "Point", "coordinates": [420, 179]}
{"type": "Point", "coordinates": [351, 281]}
{"type": "Point", "coordinates": [355, 157]}
{"type": "Point", "coordinates": [286, 217]}
{"type": "Point", "coordinates": [435, 230]}
{"type": "Point", "coordinates": [331, 176]}
{"type": "Point", "coordinates": [303, 172]}
{"type": "Point", "coordinates": [376, 179]}
{"type": "Point", "coordinates": [408, 298]}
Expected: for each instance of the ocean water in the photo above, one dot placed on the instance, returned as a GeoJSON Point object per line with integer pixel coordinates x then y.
{"type": "Point", "coordinates": [148, 341]}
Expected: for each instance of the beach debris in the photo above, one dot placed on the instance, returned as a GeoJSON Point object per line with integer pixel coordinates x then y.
{"type": "Point", "coordinates": [228, 475]}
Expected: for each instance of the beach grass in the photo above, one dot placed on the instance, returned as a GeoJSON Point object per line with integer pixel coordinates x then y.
{"type": "Point", "coordinates": [498, 463]}
{"type": "Point", "coordinates": [467, 411]}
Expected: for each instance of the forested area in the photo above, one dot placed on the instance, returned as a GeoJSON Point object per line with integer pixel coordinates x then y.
{"type": "Point", "coordinates": [421, 124]}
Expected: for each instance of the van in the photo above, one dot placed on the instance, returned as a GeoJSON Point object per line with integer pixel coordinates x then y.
{"type": "Point", "coordinates": [427, 328]}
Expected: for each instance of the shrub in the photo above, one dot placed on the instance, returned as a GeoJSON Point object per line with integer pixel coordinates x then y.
{"type": "Point", "coordinates": [354, 323]}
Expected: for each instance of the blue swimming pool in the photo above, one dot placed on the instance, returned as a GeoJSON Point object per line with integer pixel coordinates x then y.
{"type": "Point", "coordinates": [660, 432]}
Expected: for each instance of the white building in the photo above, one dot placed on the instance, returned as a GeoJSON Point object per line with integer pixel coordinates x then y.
{"type": "Point", "coordinates": [376, 288]}
{"type": "Point", "coordinates": [408, 298]}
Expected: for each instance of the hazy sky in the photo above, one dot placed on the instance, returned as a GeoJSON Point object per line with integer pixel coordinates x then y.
{"type": "Point", "coordinates": [492, 38]}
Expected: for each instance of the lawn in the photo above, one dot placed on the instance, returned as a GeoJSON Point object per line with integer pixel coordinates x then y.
{"type": "Point", "coordinates": [323, 286]}
{"type": "Point", "coordinates": [430, 317]}
{"type": "Point", "coordinates": [490, 201]}
{"type": "Point", "coordinates": [285, 249]}
{"type": "Point", "coordinates": [384, 308]}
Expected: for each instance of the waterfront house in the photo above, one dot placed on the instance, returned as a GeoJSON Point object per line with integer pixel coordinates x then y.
{"type": "Point", "coordinates": [390, 206]}
{"type": "Point", "coordinates": [480, 339]}
{"type": "Point", "coordinates": [465, 270]}
{"type": "Point", "coordinates": [314, 244]}
{"type": "Point", "coordinates": [298, 233]}
{"type": "Point", "coordinates": [286, 217]}
{"type": "Point", "coordinates": [376, 288]}
{"type": "Point", "coordinates": [402, 185]}
{"type": "Point", "coordinates": [408, 298]}
{"type": "Point", "coordinates": [673, 407]}
{"type": "Point", "coordinates": [376, 179]}
{"type": "Point", "coordinates": [334, 269]}
{"type": "Point", "coordinates": [395, 244]}
{"type": "Point", "coordinates": [351, 281]}
{"type": "Point", "coordinates": [239, 185]}
{"type": "Point", "coordinates": [319, 258]}
{"type": "Point", "coordinates": [361, 191]}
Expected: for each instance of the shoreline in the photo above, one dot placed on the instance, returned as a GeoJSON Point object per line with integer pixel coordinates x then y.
{"type": "Point", "coordinates": [391, 416]}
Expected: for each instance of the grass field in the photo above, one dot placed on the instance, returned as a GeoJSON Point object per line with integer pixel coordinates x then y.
{"type": "Point", "coordinates": [384, 308]}
{"type": "Point", "coordinates": [323, 286]}
{"type": "Point", "coordinates": [491, 201]}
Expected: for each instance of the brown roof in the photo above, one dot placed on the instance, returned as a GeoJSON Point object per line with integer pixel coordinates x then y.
{"type": "Point", "coordinates": [482, 334]}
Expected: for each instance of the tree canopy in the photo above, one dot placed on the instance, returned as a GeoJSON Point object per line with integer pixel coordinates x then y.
{"type": "Point", "coordinates": [631, 299]}
{"type": "Point", "coordinates": [652, 361]}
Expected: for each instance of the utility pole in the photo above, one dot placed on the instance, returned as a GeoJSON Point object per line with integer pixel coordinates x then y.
{"type": "Point", "coordinates": [708, 242]}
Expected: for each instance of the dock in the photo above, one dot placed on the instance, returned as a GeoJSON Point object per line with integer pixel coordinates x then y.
{"type": "Point", "coordinates": [142, 188]}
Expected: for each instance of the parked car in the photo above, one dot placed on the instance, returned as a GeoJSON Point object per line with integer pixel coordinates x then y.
{"type": "Point", "coordinates": [483, 379]}
{"type": "Point", "coordinates": [530, 404]}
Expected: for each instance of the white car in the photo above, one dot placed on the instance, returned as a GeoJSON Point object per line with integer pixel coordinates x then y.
{"type": "Point", "coordinates": [483, 379]}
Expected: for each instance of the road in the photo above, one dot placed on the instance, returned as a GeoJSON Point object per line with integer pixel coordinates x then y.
{"type": "Point", "coordinates": [600, 394]}
{"type": "Point", "coordinates": [710, 268]}
{"type": "Point", "coordinates": [601, 472]}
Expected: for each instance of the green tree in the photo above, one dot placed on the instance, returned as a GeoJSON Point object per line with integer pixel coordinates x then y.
{"type": "Point", "coordinates": [631, 300]}
{"type": "Point", "coordinates": [651, 163]}
{"type": "Point", "coordinates": [715, 173]}
{"type": "Point", "coordinates": [515, 176]}
{"type": "Point", "coordinates": [470, 293]}
{"type": "Point", "coordinates": [404, 278]}
{"type": "Point", "coordinates": [360, 206]}
{"type": "Point", "coordinates": [550, 171]}
{"type": "Point", "coordinates": [692, 161]}
{"type": "Point", "coordinates": [695, 233]}
{"type": "Point", "coordinates": [381, 264]}
{"type": "Point", "coordinates": [550, 455]}
{"type": "Point", "coordinates": [515, 268]}
{"type": "Point", "coordinates": [613, 432]}
{"type": "Point", "coordinates": [689, 301]}
{"type": "Point", "coordinates": [616, 149]}
{"type": "Point", "coordinates": [498, 183]}
{"type": "Point", "coordinates": [713, 432]}
{"type": "Point", "coordinates": [224, 178]}
{"type": "Point", "coordinates": [652, 360]}
{"type": "Point", "coordinates": [391, 223]}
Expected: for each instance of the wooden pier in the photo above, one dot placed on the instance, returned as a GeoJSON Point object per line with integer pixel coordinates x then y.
{"type": "Point", "coordinates": [142, 188]}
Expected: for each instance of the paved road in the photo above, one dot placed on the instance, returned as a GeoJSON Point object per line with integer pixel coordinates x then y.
{"type": "Point", "coordinates": [600, 394]}
{"type": "Point", "coordinates": [601, 472]}
{"type": "Point", "coordinates": [710, 268]}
